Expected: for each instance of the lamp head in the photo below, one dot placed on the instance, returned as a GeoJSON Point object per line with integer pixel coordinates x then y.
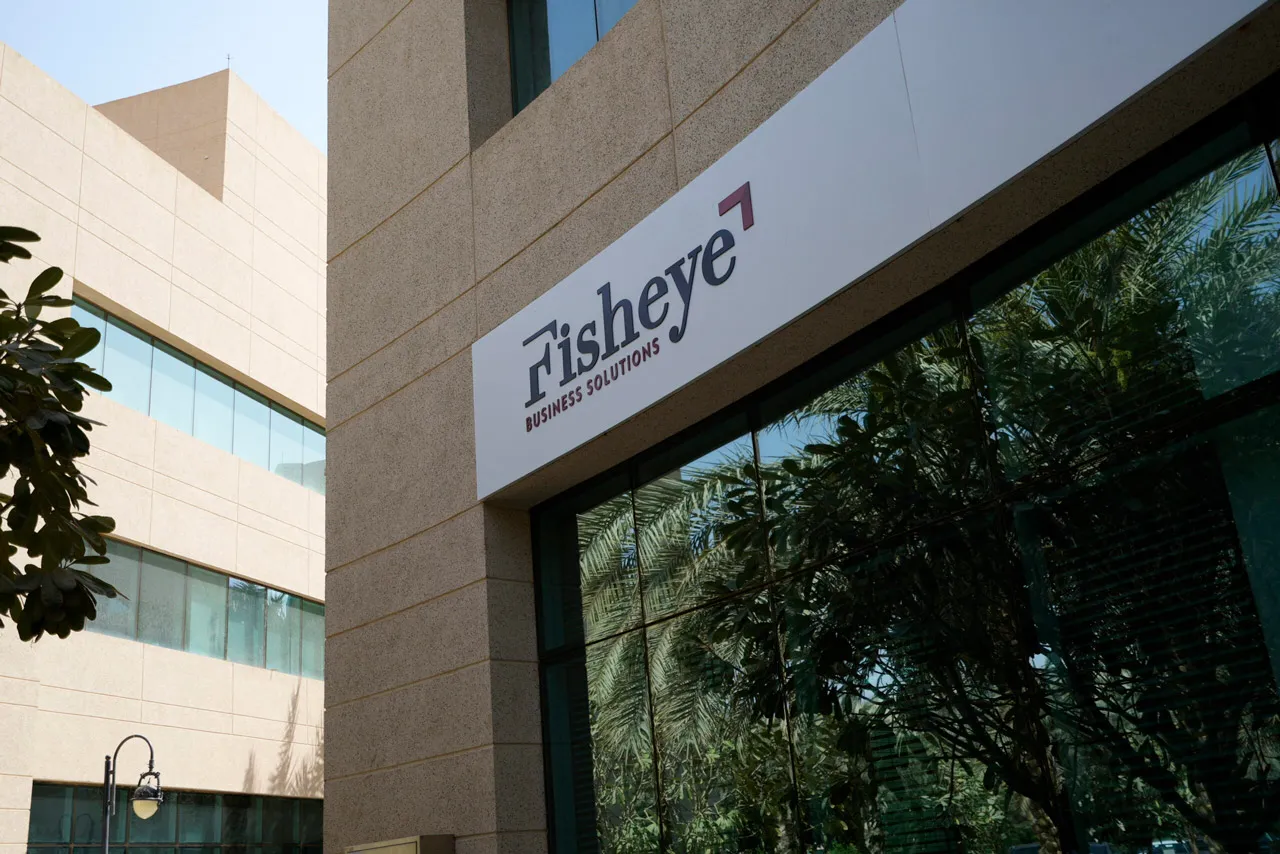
{"type": "Point", "coordinates": [146, 799]}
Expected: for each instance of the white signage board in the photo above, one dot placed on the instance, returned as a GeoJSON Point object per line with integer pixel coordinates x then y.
{"type": "Point", "coordinates": [842, 178]}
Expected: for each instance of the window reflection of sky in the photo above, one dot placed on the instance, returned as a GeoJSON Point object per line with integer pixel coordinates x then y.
{"type": "Point", "coordinates": [571, 31]}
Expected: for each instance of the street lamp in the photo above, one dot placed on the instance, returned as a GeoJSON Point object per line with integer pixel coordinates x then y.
{"type": "Point", "coordinates": [145, 800]}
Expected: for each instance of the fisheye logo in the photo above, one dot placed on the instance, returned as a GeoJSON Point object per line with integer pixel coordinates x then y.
{"type": "Point", "coordinates": [627, 332]}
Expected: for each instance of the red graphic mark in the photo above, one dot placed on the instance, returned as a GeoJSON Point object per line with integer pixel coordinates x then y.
{"type": "Point", "coordinates": [740, 196]}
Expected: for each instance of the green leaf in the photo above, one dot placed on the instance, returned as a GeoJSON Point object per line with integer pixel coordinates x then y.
{"type": "Point", "coordinates": [45, 282]}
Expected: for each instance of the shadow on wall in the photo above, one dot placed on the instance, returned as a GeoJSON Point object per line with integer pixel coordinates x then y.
{"type": "Point", "coordinates": [302, 778]}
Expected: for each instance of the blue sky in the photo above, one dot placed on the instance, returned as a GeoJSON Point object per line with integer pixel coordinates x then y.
{"type": "Point", "coordinates": [108, 49]}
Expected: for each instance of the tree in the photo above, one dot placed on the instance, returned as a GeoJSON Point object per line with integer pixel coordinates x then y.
{"type": "Point", "coordinates": [45, 540]}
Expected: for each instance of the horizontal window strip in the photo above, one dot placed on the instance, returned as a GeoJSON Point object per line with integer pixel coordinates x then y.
{"type": "Point", "coordinates": [172, 603]}
{"type": "Point", "coordinates": [68, 818]}
{"type": "Point", "coordinates": [151, 377]}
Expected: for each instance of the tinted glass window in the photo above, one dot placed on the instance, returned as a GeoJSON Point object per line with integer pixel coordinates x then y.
{"type": "Point", "coordinates": [50, 819]}
{"type": "Point", "coordinates": [1009, 583]}
{"type": "Point", "coordinates": [67, 820]}
{"type": "Point", "coordinates": [252, 428]}
{"type": "Point", "coordinates": [197, 817]}
{"type": "Point", "coordinates": [162, 603]}
{"type": "Point", "coordinates": [127, 364]}
{"type": "Point", "coordinates": [118, 616]}
{"type": "Point", "coordinates": [549, 36]}
{"type": "Point", "coordinates": [246, 615]}
{"type": "Point", "coordinates": [286, 444]}
{"type": "Point", "coordinates": [206, 612]}
{"type": "Point", "coordinates": [173, 382]}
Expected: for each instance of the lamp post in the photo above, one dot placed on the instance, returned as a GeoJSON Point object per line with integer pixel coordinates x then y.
{"type": "Point", "coordinates": [145, 800]}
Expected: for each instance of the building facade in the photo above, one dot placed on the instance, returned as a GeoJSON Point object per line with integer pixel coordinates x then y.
{"type": "Point", "coordinates": [836, 426]}
{"type": "Point", "coordinates": [189, 222]}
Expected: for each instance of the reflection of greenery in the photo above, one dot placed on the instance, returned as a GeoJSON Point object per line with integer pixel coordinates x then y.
{"type": "Point", "coordinates": [1011, 587]}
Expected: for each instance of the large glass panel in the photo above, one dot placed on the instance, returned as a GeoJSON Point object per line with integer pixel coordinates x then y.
{"type": "Point", "coordinates": [198, 819]}
{"type": "Point", "coordinates": [625, 786]}
{"type": "Point", "coordinates": [173, 382]}
{"type": "Point", "coordinates": [310, 821]}
{"type": "Point", "coordinates": [312, 639]}
{"type": "Point", "coordinates": [214, 409]}
{"type": "Point", "coordinates": [286, 444]}
{"type": "Point", "coordinates": [241, 823]}
{"type": "Point", "coordinates": [206, 612]}
{"type": "Point", "coordinates": [252, 428]}
{"type": "Point", "coordinates": [313, 451]}
{"type": "Point", "coordinates": [608, 572]}
{"type": "Point", "coordinates": [284, 632]}
{"type": "Point", "coordinates": [162, 603]}
{"type": "Point", "coordinates": [692, 527]}
{"type": "Point", "coordinates": [159, 829]}
{"type": "Point", "coordinates": [91, 317]}
{"type": "Point", "coordinates": [87, 818]}
{"type": "Point", "coordinates": [1130, 333]}
{"type": "Point", "coordinates": [723, 750]}
{"type": "Point", "coordinates": [118, 616]}
{"type": "Point", "coordinates": [127, 364]}
{"type": "Point", "coordinates": [917, 714]}
{"type": "Point", "coordinates": [279, 820]}
{"type": "Point", "coordinates": [571, 32]}
{"type": "Point", "coordinates": [246, 613]}
{"type": "Point", "coordinates": [50, 819]}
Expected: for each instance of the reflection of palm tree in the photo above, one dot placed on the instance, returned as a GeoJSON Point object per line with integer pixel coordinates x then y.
{"type": "Point", "coordinates": [943, 579]}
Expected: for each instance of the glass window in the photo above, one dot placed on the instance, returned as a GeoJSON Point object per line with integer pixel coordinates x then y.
{"type": "Point", "coordinates": [118, 616]}
{"type": "Point", "coordinates": [214, 409]}
{"type": "Point", "coordinates": [127, 364]}
{"type": "Point", "coordinates": [91, 317]}
{"type": "Point", "coordinates": [310, 821]}
{"type": "Point", "coordinates": [284, 632]}
{"type": "Point", "coordinates": [549, 36]}
{"type": "Point", "coordinates": [1009, 582]}
{"type": "Point", "coordinates": [206, 612]}
{"type": "Point", "coordinates": [197, 817]}
{"type": "Point", "coordinates": [241, 821]}
{"type": "Point", "coordinates": [246, 613]}
{"type": "Point", "coordinates": [279, 820]}
{"type": "Point", "coordinates": [173, 381]}
{"type": "Point", "coordinates": [159, 829]}
{"type": "Point", "coordinates": [161, 605]}
{"type": "Point", "coordinates": [286, 444]}
{"type": "Point", "coordinates": [313, 451]}
{"type": "Point", "coordinates": [50, 819]}
{"type": "Point", "coordinates": [312, 639]}
{"type": "Point", "coordinates": [86, 819]}
{"type": "Point", "coordinates": [67, 819]}
{"type": "Point", "coordinates": [252, 428]}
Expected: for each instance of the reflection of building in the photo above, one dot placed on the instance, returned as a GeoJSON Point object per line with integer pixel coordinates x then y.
{"type": "Point", "coordinates": [190, 224]}
{"type": "Point", "coordinates": [597, 264]}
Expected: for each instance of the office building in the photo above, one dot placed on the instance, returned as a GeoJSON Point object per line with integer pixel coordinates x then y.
{"type": "Point", "coordinates": [189, 222]}
{"type": "Point", "coordinates": [832, 425]}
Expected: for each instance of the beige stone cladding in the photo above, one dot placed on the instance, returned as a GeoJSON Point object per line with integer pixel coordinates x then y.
{"type": "Point", "coordinates": [198, 214]}
{"type": "Point", "coordinates": [447, 216]}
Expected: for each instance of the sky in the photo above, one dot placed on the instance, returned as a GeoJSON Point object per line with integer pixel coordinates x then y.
{"type": "Point", "coordinates": [107, 49]}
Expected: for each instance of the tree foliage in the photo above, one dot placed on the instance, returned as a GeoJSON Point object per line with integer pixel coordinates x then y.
{"type": "Point", "coordinates": [46, 541]}
{"type": "Point", "coordinates": [1006, 589]}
